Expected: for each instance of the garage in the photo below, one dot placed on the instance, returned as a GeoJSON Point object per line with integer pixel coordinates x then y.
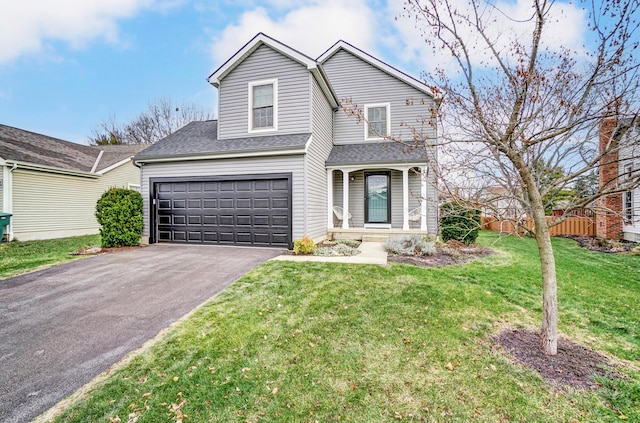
{"type": "Point", "coordinates": [252, 210]}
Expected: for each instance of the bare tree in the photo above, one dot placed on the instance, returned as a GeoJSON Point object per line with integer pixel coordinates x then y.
{"type": "Point", "coordinates": [160, 120]}
{"type": "Point", "coordinates": [515, 98]}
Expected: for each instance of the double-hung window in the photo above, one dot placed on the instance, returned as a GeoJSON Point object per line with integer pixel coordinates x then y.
{"type": "Point", "coordinates": [263, 105]}
{"type": "Point", "coordinates": [628, 199]}
{"type": "Point", "coordinates": [377, 121]}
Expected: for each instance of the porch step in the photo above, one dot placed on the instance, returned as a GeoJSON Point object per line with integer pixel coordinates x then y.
{"type": "Point", "coordinates": [375, 238]}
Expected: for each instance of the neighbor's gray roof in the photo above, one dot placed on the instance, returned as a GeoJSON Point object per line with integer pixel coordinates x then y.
{"type": "Point", "coordinates": [375, 153]}
{"type": "Point", "coordinates": [201, 139]}
{"type": "Point", "coordinates": [28, 147]}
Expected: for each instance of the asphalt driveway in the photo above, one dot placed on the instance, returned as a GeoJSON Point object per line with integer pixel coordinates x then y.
{"type": "Point", "coordinates": [62, 326]}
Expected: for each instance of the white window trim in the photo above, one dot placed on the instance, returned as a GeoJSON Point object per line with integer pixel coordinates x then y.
{"type": "Point", "coordinates": [273, 82]}
{"type": "Point", "coordinates": [366, 121]}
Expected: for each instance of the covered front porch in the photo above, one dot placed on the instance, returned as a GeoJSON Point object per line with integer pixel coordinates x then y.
{"type": "Point", "coordinates": [389, 201]}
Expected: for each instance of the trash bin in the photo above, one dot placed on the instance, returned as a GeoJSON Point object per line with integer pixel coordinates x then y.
{"type": "Point", "coordinates": [5, 219]}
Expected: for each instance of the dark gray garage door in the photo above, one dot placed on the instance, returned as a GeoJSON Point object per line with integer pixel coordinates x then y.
{"type": "Point", "coordinates": [252, 210]}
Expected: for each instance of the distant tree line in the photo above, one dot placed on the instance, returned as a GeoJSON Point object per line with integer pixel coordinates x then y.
{"type": "Point", "coordinates": [162, 118]}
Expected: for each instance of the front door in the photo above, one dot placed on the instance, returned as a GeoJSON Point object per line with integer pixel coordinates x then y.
{"type": "Point", "coordinates": [377, 205]}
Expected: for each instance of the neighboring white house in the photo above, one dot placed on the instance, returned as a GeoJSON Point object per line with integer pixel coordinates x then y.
{"type": "Point", "coordinates": [301, 147]}
{"type": "Point", "coordinates": [51, 186]}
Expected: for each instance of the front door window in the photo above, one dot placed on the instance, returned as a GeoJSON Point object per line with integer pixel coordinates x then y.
{"type": "Point", "coordinates": [377, 198]}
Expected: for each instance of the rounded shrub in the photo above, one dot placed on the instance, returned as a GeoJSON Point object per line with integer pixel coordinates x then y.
{"type": "Point", "coordinates": [459, 221]}
{"type": "Point", "coordinates": [119, 213]}
{"type": "Point", "coordinates": [304, 245]}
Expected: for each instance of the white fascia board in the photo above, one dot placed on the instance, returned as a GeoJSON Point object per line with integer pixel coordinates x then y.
{"type": "Point", "coordinates": [393, 166]}
{"type": "Point", "coordinates": [249, 48]}
{"type": "Point", "coordinates": [223, 156]}
{"type": "Point", "coordinates": [326, 88]}
{"type": "Point", "coordinates": [115, 165]}
{"type": "Point", "coordinates": [377, 63]}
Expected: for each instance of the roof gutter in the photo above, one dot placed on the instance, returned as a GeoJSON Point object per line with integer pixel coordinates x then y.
{"type": "Point", "coordinates": [50, 169]}
{"type": "Point", "coordinates": [231, 155]}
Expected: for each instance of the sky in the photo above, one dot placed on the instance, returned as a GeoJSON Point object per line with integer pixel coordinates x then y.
{"type": "Point", "coordinates": [68, 65]}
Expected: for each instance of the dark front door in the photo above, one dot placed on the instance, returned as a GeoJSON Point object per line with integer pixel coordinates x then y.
{"type": "Point", "coordinates": [239, 211]}
{"type": "Point", "coordinates": [377, 207]}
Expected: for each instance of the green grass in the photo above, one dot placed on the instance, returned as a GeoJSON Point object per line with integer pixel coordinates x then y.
{"type": "Point", "coordinates": [21, 257]}
{"type": "Point", "coordinates": [327, 342]}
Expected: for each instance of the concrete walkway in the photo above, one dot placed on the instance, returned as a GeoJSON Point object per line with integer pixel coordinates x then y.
{"type": "Point", "coordinates": [370, 253]}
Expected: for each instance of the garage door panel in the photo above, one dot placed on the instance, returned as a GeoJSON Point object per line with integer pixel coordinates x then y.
{"type": "Point", "coordinates": [226, 220]}
{"type": "Point", "coordinates": [261, 203]}
{"type": "Point", "coordinates": [280, 185]}
{"type": "Point", "coordinates": [226, 203]}
{"type": "Point", "coordinates": [210, 203]}
{"type": "Point", "coordinates": [194, 220]}
{"type": "Point", "coordinates": [210, 220]}
{"type": "Point", "coordinates": [245, 211]}
{"type": "Point", "coordinates": [280, 203]}
{"type": "Point", "coordinates": [243, 203]}
{"type": "Point", "coordinates": [194, 203]}
{"type": "Point", "coordinates": [243, 221]}
{"type": "Point", "coordinates": [195, 236]}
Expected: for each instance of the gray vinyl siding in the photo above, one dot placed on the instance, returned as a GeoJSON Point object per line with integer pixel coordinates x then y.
{"type": "Point", "coordinates": [317, 154]}
{"type": "Point", "coordinates": [230, 167]}
{"type": "Point", "coordinates": [293, 94]}
{"type": "Point", "coordinates": [365, 84]}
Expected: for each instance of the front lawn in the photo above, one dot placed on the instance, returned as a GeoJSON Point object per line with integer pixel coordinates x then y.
{"type": "Point", "coordinates": [326, 342]}
{"type": "Point", "coordinates": [22, 257]}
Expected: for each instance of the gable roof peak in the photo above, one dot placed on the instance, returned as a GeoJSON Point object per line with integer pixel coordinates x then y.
{"type": "Point", "coordinates": [262, 39]}
{"type": "Point", "coordinates": [374, 61]}
{"type": "Point", "coordinates": [258, 40]}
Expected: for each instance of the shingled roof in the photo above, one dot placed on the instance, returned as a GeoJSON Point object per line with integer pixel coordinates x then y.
{"type": "Point", "coordinates": [18, 145]}
{"type": "Point", "coordinates": [201, 139]}
{"type": "Point", "coordinates": [375, 153]}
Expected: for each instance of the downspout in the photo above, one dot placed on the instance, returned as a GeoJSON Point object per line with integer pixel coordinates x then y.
{"type": "Point", "coordinates": [7, 195]}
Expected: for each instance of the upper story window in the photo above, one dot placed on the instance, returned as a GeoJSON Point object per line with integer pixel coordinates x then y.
{"type": "Point", "coordinates": [628, 199]}
{"type": "Point", "coordinates": [378, 122]}
{"type": "Point", "coordinates": [263, 105]}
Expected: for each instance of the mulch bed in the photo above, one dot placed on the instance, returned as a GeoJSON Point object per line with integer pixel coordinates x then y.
{"type": "Point", "coordinates": [574, 366]}
{"type": "Point", "coordinates": [454, 253]}
{"type": "Point", "coordinates": [602, 245]}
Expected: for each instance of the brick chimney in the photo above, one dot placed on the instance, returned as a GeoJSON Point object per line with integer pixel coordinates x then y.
{"type": "Point", "coordinates": [609, 218]}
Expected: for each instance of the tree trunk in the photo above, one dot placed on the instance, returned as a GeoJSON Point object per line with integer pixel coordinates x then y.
{"type": "Point", "coordinates": [549, 336]}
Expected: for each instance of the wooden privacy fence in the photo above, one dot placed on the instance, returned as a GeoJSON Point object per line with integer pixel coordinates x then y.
{"type": "Point", "coordinates": [581, 226]}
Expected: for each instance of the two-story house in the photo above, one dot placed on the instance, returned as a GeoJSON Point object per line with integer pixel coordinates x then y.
{"type": "Point", "coordinates": [336, 146]}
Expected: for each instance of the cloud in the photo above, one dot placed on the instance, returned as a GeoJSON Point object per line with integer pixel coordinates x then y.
{"type": "Point", "coordinates": [311, 28]}
{"type": "Point", "coordinates": [565, 28]}
{"type": "Point", "coordinates": [29, 25]}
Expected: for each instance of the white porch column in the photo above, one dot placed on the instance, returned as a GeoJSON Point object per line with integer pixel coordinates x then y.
{"type": "Point", "coordinates": [345, 199]}
{"type": "Point", "coordinates": [330, 199]}
{"type": "Point", "coordinates": [423, 196]}
{"type": "Point", "coordinates": [405, 199]}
